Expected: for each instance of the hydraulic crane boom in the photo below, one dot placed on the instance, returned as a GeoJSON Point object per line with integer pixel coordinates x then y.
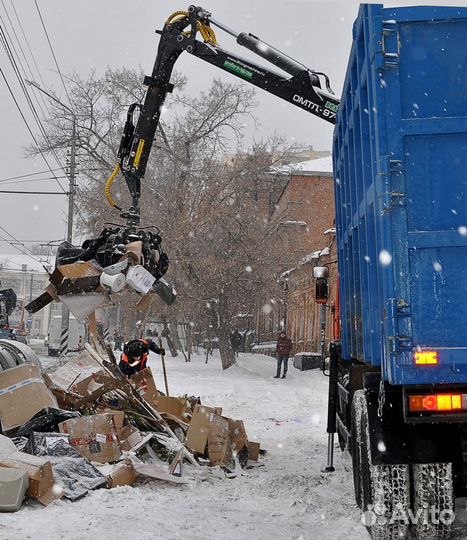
{"type": "Point", "coordinates": [302, 88]}
{"type": "Point", "coordinates": [299, 86]}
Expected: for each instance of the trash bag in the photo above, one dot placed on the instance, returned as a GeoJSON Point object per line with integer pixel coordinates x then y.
{"type": "Point", "coordinates": [72, 471]}
{"type": "Point", "coordinates": [9, 297]}
{"type": "Point", "coordinates": [46, 420]}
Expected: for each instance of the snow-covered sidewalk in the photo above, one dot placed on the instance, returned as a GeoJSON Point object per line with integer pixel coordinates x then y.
{"type": "Point", "coordinates": [289, 498]}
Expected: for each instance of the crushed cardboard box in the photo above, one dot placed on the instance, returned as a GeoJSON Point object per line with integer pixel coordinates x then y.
{"type": "Point", "coordinates": [197, 434]}
{"type": "Point", "coordinates": [120, 474]}
{"type": "Point", "coordinates": [175, 407]}
{"type": "Point", "coordinates": [94, 437]}
{"type": "Point", "coordinates": [23, 393]}
{"type": "Point", "coordinates": [253, 450]}
{"type": "Point", "coordinates": [74, 372]}
{"type": "Point", "coordinates": [219, 445]}
{"type": "Point", "coordinates": [145, 385]}
{"type": "Point", "coordinates": [76, 278]}
{"type": "Point", "coordinates": [238, 437]}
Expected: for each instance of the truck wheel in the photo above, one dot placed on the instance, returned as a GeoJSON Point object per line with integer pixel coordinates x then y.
{"type": "Point", "coordinates": [385, 490]}
{"type": "Point", "coordinates": [433, 500]}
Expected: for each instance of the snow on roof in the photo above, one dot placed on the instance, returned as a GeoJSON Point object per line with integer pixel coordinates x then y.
{"type": "Point", "coordinates": [307, 259]}
{"type": "Point", "coordinates": [312, 166]}
{"type": "Point", "coordinates": [13, 261]}
{"type": "Point", "coordinates": [292, 222]}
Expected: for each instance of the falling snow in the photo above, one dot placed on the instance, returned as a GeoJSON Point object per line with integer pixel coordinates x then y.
{"type": "Point", "coordinates": [385, 258]}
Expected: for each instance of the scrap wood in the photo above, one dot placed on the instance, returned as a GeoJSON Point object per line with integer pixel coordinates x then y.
{"type": "Point", "coordinates": [164, 370]}
{"type": "Point", "coordinates": [175, 468]}
{"type": "Point", "coordinates": [115, 372]}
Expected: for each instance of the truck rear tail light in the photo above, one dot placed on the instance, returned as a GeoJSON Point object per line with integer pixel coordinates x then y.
{"type": "Point", "coordinates": [438, 403]}
{"type": "Point", "coordinates": [426, 358]}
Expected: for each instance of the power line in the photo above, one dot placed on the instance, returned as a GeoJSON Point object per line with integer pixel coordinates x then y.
{"type": "Point", "coordinates": [36, 241]}
{"type": "Point", "coordinates": [4, 36]}
{"type": "Point", "coordinates": [26, 180]}
{"type": "Point", "coordinates": [30, 254]}
{"type": "Point", "coordinates": [26, 123]}
{"type": "Point", "coordinates": [24, 55]}
{"type": "Point", "coordinates": [13, 192]}
{"type": "Point", "coordinates": [29, 47]}
{"type": "Point", "coordinates": [51, 49]}
{"type": "Point", "coordinates": [29, 174]}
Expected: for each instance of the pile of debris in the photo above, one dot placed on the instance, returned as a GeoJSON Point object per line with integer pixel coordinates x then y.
{"type": "Point", "coordinates": [86, 426]}
{"type": "Point", "coordinates": [85, 285]}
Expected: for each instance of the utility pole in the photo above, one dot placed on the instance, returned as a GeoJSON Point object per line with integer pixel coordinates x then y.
{"type": "Point", "coordinates": [71, 198]}
{"type": "Point", "coordinates": [69, 236]}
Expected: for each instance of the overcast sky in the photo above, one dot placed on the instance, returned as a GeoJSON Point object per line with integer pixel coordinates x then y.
{"type": "Point", "coordinates": [95, 34]}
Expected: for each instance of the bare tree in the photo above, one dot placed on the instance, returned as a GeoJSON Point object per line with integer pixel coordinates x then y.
{"type": "Point", "coordinates": [205, 205]}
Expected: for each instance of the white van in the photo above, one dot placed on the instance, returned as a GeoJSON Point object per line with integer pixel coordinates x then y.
{"type": "Point", "coordinates": [76, 335]}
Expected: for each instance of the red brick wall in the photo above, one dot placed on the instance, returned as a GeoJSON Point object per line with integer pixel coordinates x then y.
{"type": "Point", "coordinates": [303, 312]}
{"type": "Point", "coordinates": [308, 199]}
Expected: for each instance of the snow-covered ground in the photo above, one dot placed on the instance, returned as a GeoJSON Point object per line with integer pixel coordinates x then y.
{"type": "Point", "coordinates": [289, 498]}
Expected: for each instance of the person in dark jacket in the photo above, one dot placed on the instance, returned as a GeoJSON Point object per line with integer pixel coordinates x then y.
{"type": "Point", "coordinates": [135, 355]}
{"type": "Point", "coordinates": [118, 340]}
{"type": "Point", "coordinates": [283, 348]}
{"type": "Point", "coordinates": [236, 341]}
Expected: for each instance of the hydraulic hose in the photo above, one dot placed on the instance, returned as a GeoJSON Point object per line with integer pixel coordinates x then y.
{"type": "Point", "coordinates": [108, 185]}
{"type": "Point", "coordinates": [206, 31]}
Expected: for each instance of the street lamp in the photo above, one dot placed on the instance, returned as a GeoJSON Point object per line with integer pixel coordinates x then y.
{"type": "Point", "coordinates": [71, 201]}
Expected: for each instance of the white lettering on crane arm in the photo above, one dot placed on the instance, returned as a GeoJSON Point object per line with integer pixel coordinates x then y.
{"type": "Point", "coordinates": [306, 103]}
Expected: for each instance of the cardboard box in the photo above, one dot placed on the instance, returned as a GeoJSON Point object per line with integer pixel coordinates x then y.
{"type": "Point", "coordinates": [253, 450]}
{"type": "Point", "coordinates": [86, 386]}
{"type": "Point", "coordinates": [23, 394]}
{"type": "Point", "coordinates": [219, 446]}
{"type": "Point", "coordinates": [238, 437]}
{"type": "Point", "coordinates": [94, 437]}
{"type": "Point", "coordinates": [122, 474]}
{"type": "Point", "coordinates": [134, 251]}
{"type": "Point", "coordinates": [39, 471]}
{"type": "Point", "coordinates": [73, 373]}
{"type": "Point", "coordinates": [197, 434]}
{"type": "Point", "coordinates": [49, 295]}
{"type": "Point", "coordinates": [129, 438]}
{"type": "Point", "coordinates": [174, 406]}
{"type": "Point", "coordinates": [76, 278]}
{"type": "Point", "coordinates": [145, 385]}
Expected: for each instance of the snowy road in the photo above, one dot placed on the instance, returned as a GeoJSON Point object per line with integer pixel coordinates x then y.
{"type": "Point", "coordinates": [289, 498]}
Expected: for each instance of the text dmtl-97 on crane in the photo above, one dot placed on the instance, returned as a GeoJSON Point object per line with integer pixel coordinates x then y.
{"type": "Point", "coordinates": [398, 377]}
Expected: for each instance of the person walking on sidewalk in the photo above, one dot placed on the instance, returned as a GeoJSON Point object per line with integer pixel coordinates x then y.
{"type": "Point", "coordinates": [283, 348]}
{"type": "Point", "coordinates": [236, 341]}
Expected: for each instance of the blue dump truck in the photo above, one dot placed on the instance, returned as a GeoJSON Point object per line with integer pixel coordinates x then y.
{"type": "Point", "coordinates": [398, 381]}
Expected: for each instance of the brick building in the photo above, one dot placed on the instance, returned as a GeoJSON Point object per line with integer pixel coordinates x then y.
{"type": "Point", "coordinates": [303, 313]}
{"type": "Point", "coordinates": [303, 210]}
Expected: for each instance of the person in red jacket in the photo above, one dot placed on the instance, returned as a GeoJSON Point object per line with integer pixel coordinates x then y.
{"type": "Point", "coordinates": [135, 355]}
{"type": "Point", "coordinates": [283, 348]}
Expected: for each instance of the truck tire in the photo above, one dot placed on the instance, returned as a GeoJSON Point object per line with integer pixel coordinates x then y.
{"type": "Point", "coordinates": [433, 497]}
{"type": "Point", "coordinates": [7, 360]}
{"type": "Point", "coordinates": [15, 353]}
{"type": "Point", "coordinates": [385, 489]}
